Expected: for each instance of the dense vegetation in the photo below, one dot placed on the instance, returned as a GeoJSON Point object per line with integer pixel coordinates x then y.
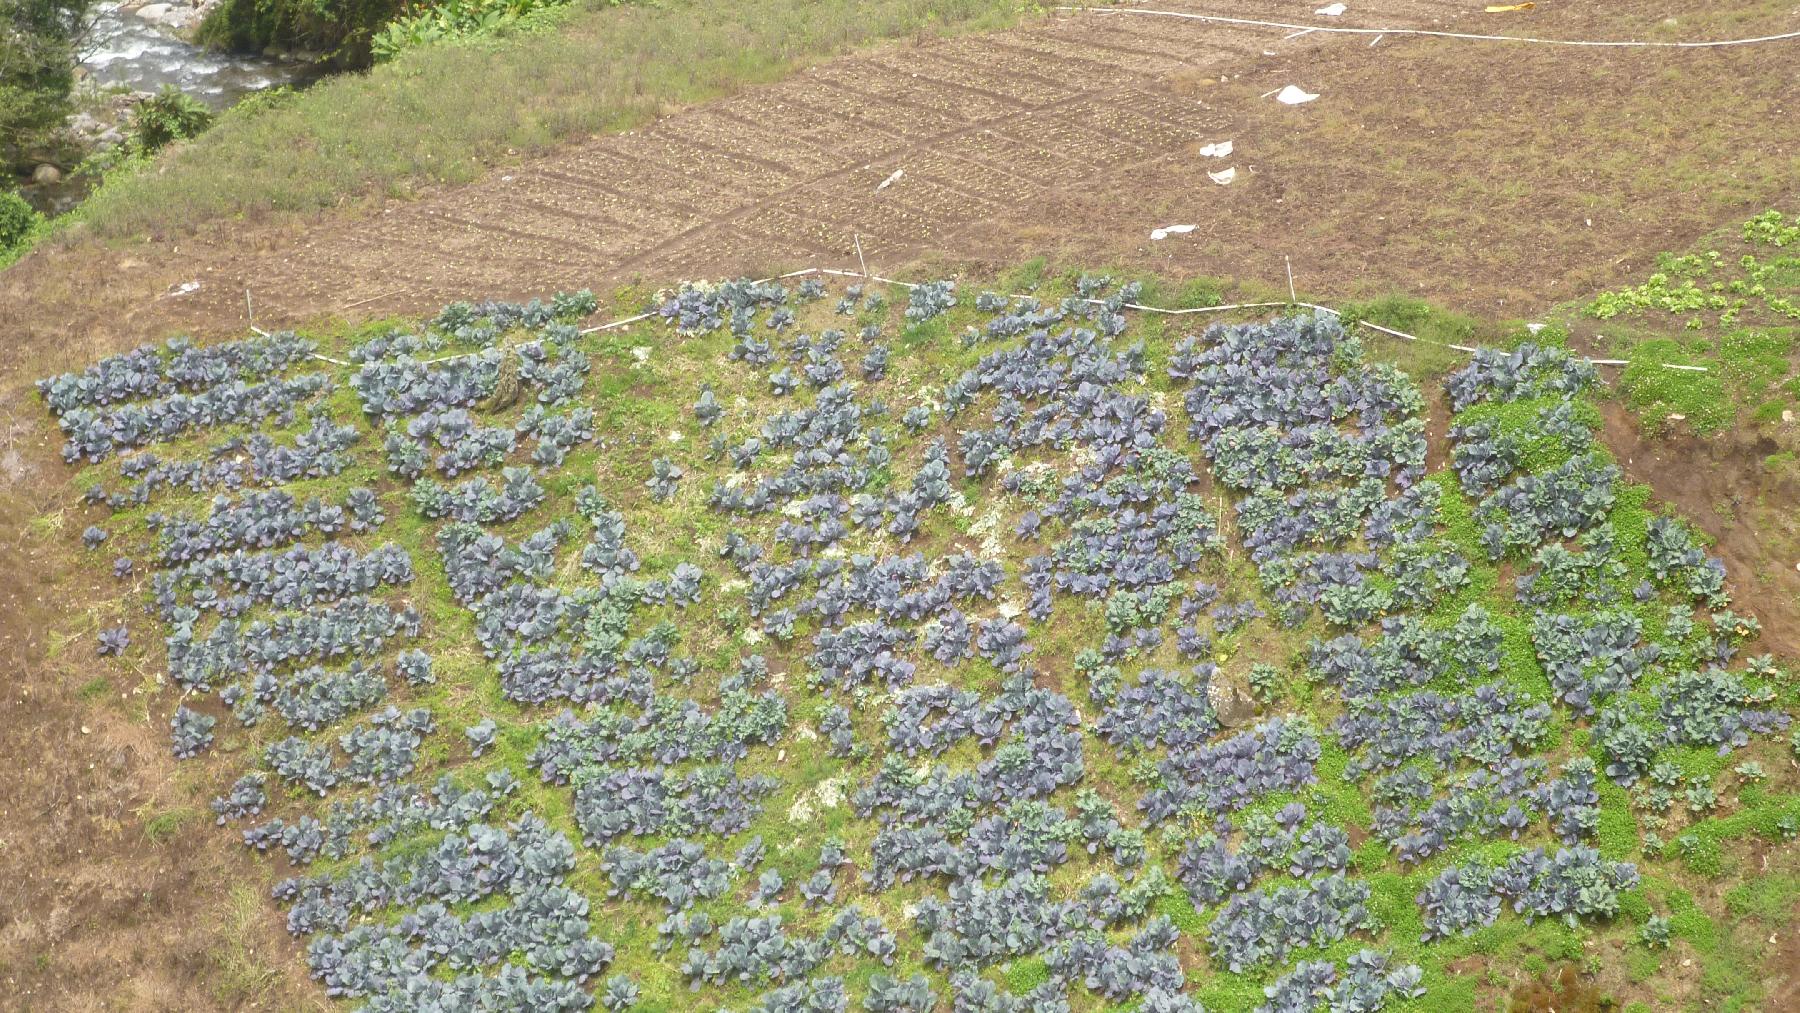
{"type": "Point", "coordinates": [341, 30]}
{"type": "Point", "coordinates": [352, 34]}
{"type": "Point", "coordinates": [18, 221]}
{"type": "Point", "coordinates": [37, 68]}
{"type": "Point", "coordinates": [799, 648]}
{"type": "Point", "coordinates": [454, 20]}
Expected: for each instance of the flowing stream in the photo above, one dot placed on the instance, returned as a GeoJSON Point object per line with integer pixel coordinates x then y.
{"type": "Point", "coordinates": [127, 50]}
{"type": "Point", "coordinates": [124, 50]}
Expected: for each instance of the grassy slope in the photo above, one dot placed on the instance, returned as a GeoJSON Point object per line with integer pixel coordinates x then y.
{"type": "Point", "coordinates": [443, 114]}
{"type": "Point", "coordinates": [1721, 927]}
{"type": "Point", "coordinates": [1731, 306]}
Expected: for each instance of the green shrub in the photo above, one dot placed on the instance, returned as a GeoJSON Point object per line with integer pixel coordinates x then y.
{"type": "Point", "coordinates": [453, 19]}
{"type": "Point", "coordinates": [1769, 897]}
{"type": "Point", "coordinates": [17, 220]}
{"type": "Point", "coordinates": [166, 117]}
{"type": "Point", "coordinates": [1178, 908]}
{"type": "Point", "coordinates": [340, 29]}
{"type": "Point", "coordinates": [1701, 853]}
{"type": "Point", "coordinates": [37, 68]}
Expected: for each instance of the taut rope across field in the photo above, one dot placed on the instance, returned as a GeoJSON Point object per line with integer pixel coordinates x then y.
{"type": "Point", "coordinates": [837, 273]}
{"type": "Point", "coordinates": [1433, 33]}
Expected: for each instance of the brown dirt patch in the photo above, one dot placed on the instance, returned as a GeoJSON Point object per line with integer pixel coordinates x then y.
{"type": "Point", "coordinates": [1720, 484]}
{"type": "Point", "coordinates": [1560, 990]}
{"type": "Point", "coordinates": [97, 913]}
{"type": "Point", "coordinates": [1784, 967]}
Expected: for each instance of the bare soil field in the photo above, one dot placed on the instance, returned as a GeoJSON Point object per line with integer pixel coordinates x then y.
{"type": "Point", "coordinates": [1491, 177]}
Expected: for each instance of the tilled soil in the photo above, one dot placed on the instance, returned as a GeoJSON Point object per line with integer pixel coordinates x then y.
{"type": "Point", "coordinates": [1491, 176]}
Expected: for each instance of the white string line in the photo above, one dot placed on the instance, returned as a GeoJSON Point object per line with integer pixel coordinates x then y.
{"type": "Point", "coordinates": [627, 320]}
{"type": "Point", "coordinates": [909, 286]}
{"type": "Point", "coordinates": [1236, 306]}
{"type": "Point", "coordinates": [1340, 30]}
{"type": "Point", "coordinates": [1466, 348]}
{"type": "Point", "coordinates": [1445, 344]}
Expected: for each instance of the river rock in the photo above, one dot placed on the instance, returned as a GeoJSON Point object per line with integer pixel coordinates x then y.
{"type": "Point", "coordinates": [1231, 701]}
{"type": "Point", "coordinates": [44, 175]}
{"type": "Point", "coordinates": [166, 15]}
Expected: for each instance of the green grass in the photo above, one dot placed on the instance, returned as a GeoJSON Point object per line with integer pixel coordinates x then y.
{"type": "Point", "coordinates": [1769, 897]}
{"type": "Point", "coordinates": [241, 977]}
{"type": "Point", "coordinates": [1730, 308]}
{"type": "Point", "coordinates": [1026, 974]}
{"type": "Point", "coordinates": [1661, 395]}
{"type": "Point", "coordinates": [1429, 359]}
{"type": "Point", "coordinates": [163, 826]}
{"type": "Point", "coordinates": [444, 114]}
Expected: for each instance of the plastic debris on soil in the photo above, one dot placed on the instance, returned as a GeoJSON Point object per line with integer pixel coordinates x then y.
{"type": "Point", "coordinates": [1170, 230]}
